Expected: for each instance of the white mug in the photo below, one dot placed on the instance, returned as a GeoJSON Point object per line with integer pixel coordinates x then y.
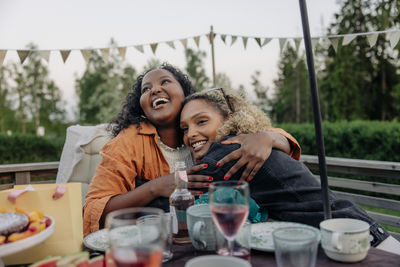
{"type": "Point", "coordinates": [346, 240]}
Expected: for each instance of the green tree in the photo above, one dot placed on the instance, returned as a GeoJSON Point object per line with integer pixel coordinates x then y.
{"type": "Point", "coordinates": [291, 100]}
{"type": "Point", "coordinates": [195, 68]}
{"type": "Point", "coordinates": [5, 105]}
{"type": "Point", "coordinates": [260, 91]}
{"type": "Point", "coordinates": [103, 87]}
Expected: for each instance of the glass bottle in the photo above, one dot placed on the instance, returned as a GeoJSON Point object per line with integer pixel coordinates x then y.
{"type": "Point", "coordinates": [179, 201]}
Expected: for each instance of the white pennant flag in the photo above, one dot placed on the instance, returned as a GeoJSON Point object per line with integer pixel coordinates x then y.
{"type": "Point", "coordinates": [45, 54]}
{"type": "Point", "coordinates": [2, 56]}
{"type": "Point", "coordinates": [393, 38]}
{"type": "Point", "coordinates": [297, 43]}
{"type": "Point", "coordinates": [171, 44]}
{"type": "Point", "coordinates": [105, 53]}
{"type": "Point", "coordinates": [86, 54]}
{"type": "Point", "coordinates": [335, 42]}
{"type": "Point", "coordinates": [282, 42]}
{"type": "Point", "coordinates": [233, 39]}
{"type": "Point", "coordinates": [314, 42]}
{"type": "Point", "coordinates": [245, 42]}
{"type": "Point", "coordinates": [154, 47]}
{"type": "Point", "coordinates": [347, 39]}
{"type": "Point", "coordinates": [372, 38]}
{"type": "Point", "coordinates": [184, 43]}
{"type": "Point", "coordinates": [23, 54]}
{"type": "Point", "coordinates": [258, 41]}
{"type": "Point", "coordinates": [197, 41]}
{"type": "Point", "coordinates": [139, 48]}
{"type": "Point", "coordinates": [266, 41]}
{"type": "Point", "coordinates": [223, 38]}
{"type": "Point", "coordinates": [122, 51]}
{"type": "Point", "coordinates": [65, 54]}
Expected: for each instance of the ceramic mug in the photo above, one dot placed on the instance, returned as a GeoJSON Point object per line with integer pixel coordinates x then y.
{"type": "Point", "coordinates": [346, 240]}
{"type": "Point", "coordinates": [201, 227]}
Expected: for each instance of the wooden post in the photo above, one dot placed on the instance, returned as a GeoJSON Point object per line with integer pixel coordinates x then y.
{"type": "Point", "coordinates": [212, 53]}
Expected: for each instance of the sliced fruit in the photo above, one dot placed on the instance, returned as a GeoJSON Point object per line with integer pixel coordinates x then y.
{"type": "Point", "coordinates": [97, 261]}
{"type": "Point", "coordinates": [72, 258]}
{"type": "Point", "coordinates": [46, 262]}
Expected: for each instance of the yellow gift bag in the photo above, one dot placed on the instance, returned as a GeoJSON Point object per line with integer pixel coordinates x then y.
{"type": "Point", "coordinates": [66, 212]}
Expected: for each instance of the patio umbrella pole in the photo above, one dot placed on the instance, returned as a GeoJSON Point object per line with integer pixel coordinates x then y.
{"type": "Point", "coordinates": [316, 110]}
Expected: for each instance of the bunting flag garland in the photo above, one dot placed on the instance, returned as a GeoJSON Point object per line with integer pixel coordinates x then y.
{"type": "Point", "coordinates": [86, 54]}
{"type": "Point", "coordinates": [45, 54]}
{"type": "Point", "coordinates": [23, 54]}
{"type": "Point", "coordinates": [2, 56]}
{"type": "Point", "coordinates": [139, 48]}
{"type": "Point", "coordinates": [347, 39]}
{"type": "Point", "coordinates": [244, 42]}
{"type": "Point", "coordinates": [197, 41]}
{"type": "Point", "coordinates": [154, 47]}
{"type": "Point", "coordinates": [105, 53]}
{"type": "Point", "coordinates": [372, 38]}
{"type": "Point", "coordinates": [392, 37]}
{"type": "Point", "coordinates": [335, 43]}
{"type": "Point", "coordinates": [65, 54]}
{"type": "Point", "coordinates": [184, 43]}
{"type": "Point", "coordinates": [171, 44]}
{"type": "Point", "coordinates": [122, 51]}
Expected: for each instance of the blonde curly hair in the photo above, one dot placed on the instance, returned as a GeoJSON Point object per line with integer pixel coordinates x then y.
{"type": "Point", "coordinates": [246, 118]}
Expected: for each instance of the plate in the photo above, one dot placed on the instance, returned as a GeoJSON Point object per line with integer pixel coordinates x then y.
{"type": "Point", "coordinates": [20, 245]}
{"type": "Point", "coordinates": [97, 240]}
{"type": "Point", "coordinates": [261, 234]}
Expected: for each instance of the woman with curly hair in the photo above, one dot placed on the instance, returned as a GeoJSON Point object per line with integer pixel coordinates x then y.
{"type": "Point", "coordinates": [137, 164]}
{"type": "Point", "coordinates": [283, 187]}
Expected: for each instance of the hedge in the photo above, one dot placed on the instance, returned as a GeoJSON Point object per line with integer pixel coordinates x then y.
{"type": "Point", "coordinates": [25, 148]}
{"type": "Point", "coordinates": [373, 140]}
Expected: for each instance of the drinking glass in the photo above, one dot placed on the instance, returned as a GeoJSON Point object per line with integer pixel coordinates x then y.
{"type": "Point", "coordinates": [134, 243]}
{"type": "Point", "coordinates": [229, 205]}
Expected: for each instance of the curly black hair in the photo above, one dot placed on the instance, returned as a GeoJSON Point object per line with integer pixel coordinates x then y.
{"type": "Point", "coordinates": [132, 112]}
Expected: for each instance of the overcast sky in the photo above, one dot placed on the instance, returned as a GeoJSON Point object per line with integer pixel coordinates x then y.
{"type": "Point", "coordinates": [78, 24]}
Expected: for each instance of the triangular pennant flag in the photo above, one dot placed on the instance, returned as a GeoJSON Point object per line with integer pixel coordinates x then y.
{"type": "Point", "coordinates": [372, 38]}
{"type": "Point", "coordinates": [223, 38]}
{"type": "Point", "coordinates": [245, 42]}
{"type": "Point", "coordinates": [154, 47]}
{"type": "Point", "coordinates": [65, 54]}
{"type": "Point", "coordinates": [209, 36]}
{"type": "Point", "coordinates": [197, 41]}
{"type": "Point", "coordinates": [233, 39]}
{"type": "Point", "coordinates": [2, 56]}
{"type": "Point", "coordinates": [393, 38]}
{"type": "Point", "coordinates": [171, 44]}
{"type": "Point", "coordinates": [258, 41]}
{"type": "Point", "coordinates": [347, 39]}
{"type": "Point", "coordinates": [139, 48]}
{"type": "Point", "coordinates": [184, 43]}
{"type": "Point", "coordinates": [297, 43]}
{"type": "Point", "coordinates": [334, 42]}
{"type": "Point", "coordinates": [45, 54]}
{"type": "Point", "coordinates": [122, 51]}
{"type": "Point", "coordinates": [23, 54]}
{"type": "Point", "coordinates": [105, 53]}
{"type": "Point", "coordinates": [282, 42]}
{"type": "Point", "coordinates": [266, 41]}
{"type": "Point", "coordinates": [86, 54]}
{"type": "Point", "coordinates": [314, 42]}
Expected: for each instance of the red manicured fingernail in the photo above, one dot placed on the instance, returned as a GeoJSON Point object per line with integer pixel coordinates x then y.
{"type": "Point", "coordinates": [207, 184]}
{"type": "Point", "coordinates": [248, 179]}
{"type": "Point", "coordinates": [205, 165]}
{"type": "Point", "coordinates": [201, 193]}
{"type": "Point", "coordinates": [218, 164]}
{"type": "Point", "coordinates": [210, 178]}
{"type": "Point", "coordinates": [226, 178]}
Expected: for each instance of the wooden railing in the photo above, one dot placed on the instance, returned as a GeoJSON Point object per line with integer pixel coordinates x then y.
{"type": "Point", "coordinates": [378, 170]}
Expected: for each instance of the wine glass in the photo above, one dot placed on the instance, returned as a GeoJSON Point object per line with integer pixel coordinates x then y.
{"type": "Point", "coordinates": [229, 205]}
{"type": "Point", "coordinates": [136, 237]}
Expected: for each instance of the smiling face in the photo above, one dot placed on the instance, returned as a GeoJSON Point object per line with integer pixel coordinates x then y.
{"type": "Point", "coordinates": [200, 122]}
{"type": "Point", "coordinates": [161, 98]}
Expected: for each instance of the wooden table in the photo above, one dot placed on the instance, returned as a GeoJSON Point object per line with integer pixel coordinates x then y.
{"type": "Point", "coordinates": [375, 258]}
